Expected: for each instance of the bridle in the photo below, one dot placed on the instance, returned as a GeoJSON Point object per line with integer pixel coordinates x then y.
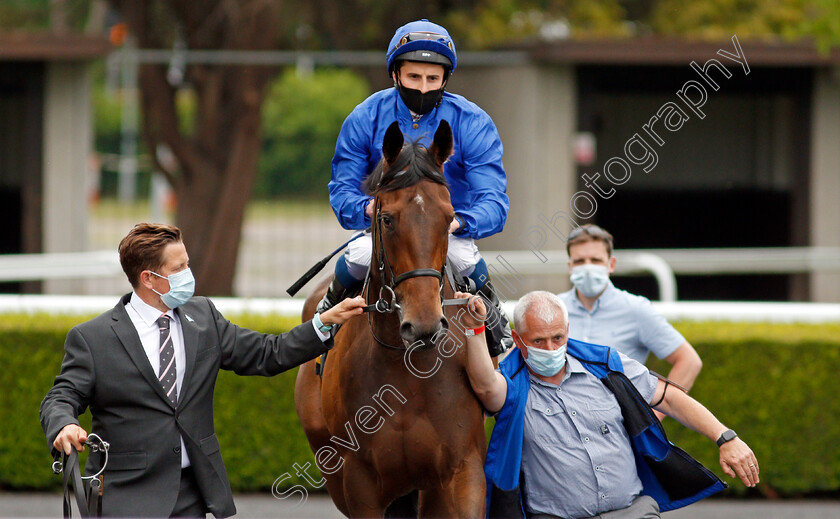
{"type": "Point", "coordinates": [390, 305]}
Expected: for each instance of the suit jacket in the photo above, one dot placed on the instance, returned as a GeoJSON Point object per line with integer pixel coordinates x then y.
{"type": "Point", "coordinates": [106, 369]}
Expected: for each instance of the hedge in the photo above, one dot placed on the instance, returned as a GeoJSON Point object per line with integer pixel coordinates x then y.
{"type": "Point", "coordinates": [776, 385]}
{"type": "Point", "coordinates": [773, 383]}
{"type": "Point", "coordinates": [255, 417]}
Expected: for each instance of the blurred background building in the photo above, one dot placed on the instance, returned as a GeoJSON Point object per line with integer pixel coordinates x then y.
{"type": "Point", "coordinates": [567, 88]}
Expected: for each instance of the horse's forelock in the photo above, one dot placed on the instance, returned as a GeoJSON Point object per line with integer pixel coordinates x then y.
{"type": "Point", "coordinates": [413, 164]}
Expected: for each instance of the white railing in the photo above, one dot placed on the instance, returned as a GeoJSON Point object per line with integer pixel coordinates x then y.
{"type": "Point", "coordinates": [59, 265]}
{"type": "Point", "coordinates": [663, 264]}
{"type": "Point", "coordinates": [682, 311]}
{"type": "Point", "coordinates": [630, 262]}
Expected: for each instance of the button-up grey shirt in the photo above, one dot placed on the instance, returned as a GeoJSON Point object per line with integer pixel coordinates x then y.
{"type": "Point", "coordinates": [622, 321]}
{"type": "Point", "coordinates": [576, 458]}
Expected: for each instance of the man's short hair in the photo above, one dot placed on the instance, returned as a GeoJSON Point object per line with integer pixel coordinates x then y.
{"type": "Point", "coordinates": [544, 305]}
{"type": "Point", "coordinates": [589, 232]}
{"type": "Point", "coordinates": [142, 249]}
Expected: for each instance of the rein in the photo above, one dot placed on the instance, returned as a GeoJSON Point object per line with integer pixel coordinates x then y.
{"type": "Point", "coordinates": [87, 490]}
{"type": "Point", "coordinates": [390, 305]}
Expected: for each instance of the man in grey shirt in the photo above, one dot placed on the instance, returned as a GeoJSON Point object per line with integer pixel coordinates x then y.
{"type": "Point", "coordinates": [577, 460]}
{"type": "Point", "coordinates": [603, 314]}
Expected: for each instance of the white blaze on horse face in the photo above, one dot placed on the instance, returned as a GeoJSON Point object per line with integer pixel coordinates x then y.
{"type": "Point", "coordinates": [418, 199]}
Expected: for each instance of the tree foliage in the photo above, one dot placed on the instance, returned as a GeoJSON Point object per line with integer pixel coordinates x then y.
{"type": "Point", "coordinates": [218, 142]}
{"type": "Point", "coordinates": [301, 120]}
{"type": "Point", "coordinates": [216, 153]}
{"type": "Point", "coordinates": [35, 15]}
{"type": "Point", "coordinates": [476, 24]}
{"type": "Point", "coordinates": [498, 22]}
{"type": "Point", "coordinates": [823, 23]}
{"type": "Point", "coordinates": [720, 19]}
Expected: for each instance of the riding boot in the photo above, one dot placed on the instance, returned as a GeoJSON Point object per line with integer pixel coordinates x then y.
{"type": "Point", "coordinates": [336, 293]}
{"type": "Point", "coordinates": [499, 338]}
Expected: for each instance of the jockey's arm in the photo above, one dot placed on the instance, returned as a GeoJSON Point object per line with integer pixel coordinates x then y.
{"type": "Point", "coordinates": [485, 174]}
{"type": "Point", "coordinates": [349, 169]}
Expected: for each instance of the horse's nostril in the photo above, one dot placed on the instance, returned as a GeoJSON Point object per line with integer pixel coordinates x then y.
{"type": "Point", "coordinates": [408, 332]}
{"type": "Point", "coordinates": [444, 324]}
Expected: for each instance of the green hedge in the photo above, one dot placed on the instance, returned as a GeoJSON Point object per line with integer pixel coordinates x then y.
{"type": "Point", "coordinates": [255, 416]}
{"type": "Point", "coordinates": [774, 384]}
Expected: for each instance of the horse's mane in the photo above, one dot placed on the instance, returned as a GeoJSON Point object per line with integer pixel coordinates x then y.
{"type": "Point", "coordinates": [412, 165]}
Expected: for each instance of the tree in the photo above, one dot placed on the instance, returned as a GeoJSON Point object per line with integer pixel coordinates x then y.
{"type": "Point", "coordinates": [217, 153]}
{"type": "Point", "coordinates": [217, 150]}
{"type": "Point", "coordinates": [302, 116]}
{"type": "Point", "coordinates": [217, 158]}
{"type": "Point", "coordinates": [720, 19]}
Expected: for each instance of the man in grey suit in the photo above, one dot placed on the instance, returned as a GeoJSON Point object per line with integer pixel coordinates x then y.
{"type": "Point", "coordinates": [147, 370]}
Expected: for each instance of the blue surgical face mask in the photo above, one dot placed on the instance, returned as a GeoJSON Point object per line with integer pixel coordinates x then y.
{"type": "Point", "coordinates": [181, 288]}
{"type": "Point", "coordinates": [590, 280]}
{"type": "Point", "coordinates": [546, 362]}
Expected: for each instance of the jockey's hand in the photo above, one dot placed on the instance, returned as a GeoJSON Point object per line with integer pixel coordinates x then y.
{"type": "Point", "coordinates": [340, 313]}
{"type": "Point", "coordinates": [454, 226]}
{"type": "Point", "coordinates": [369, 209]}
{"type": "Point", "coordinates": [476, 312]}
{"type": "Point", "coordinates": [70, 436]}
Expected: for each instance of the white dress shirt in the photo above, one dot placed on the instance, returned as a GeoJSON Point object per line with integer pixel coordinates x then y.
{"type": "Point", "coordinates": [144, 317]}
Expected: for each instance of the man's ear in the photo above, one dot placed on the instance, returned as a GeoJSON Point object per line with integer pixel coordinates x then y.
{"type": "Point", "coordinates": [612, 264]}
{"type": "Point", "coordinates": [146, 279]}
{"type": "Point", "coordinates": [517, 340]}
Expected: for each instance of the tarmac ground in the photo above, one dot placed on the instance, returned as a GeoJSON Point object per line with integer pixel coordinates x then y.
{"type": "Point", "coordinates": [259, 506]}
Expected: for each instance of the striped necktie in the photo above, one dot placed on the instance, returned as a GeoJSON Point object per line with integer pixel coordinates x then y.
{"type": "Point", "coordinates": [167, 373]}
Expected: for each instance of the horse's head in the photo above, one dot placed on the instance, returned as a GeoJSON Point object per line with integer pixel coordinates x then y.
{"type": "Point", "coordinates": [411, 221]}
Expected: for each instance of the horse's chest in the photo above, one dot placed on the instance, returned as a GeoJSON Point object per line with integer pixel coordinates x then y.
{"type": "Point", "coordinates": [420, 449]}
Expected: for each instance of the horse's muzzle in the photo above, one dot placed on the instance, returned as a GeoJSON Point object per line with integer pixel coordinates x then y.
{"type": "Point", "coordinates": [412, 333]}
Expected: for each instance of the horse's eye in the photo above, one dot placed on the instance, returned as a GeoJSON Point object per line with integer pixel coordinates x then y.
{"type": "Point", "coordinates": [387, 221]}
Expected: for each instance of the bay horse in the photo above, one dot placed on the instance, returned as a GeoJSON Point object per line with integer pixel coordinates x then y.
{"type": "Point", "coordinates": [394, 419]}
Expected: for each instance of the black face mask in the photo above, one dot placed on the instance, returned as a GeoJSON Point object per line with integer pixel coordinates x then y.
{"type": "Point", "coordinates": [418, 102]}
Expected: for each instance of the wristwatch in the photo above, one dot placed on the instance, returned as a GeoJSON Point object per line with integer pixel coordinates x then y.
{"type": "Point", "coordinates": [325, 328]}
{"type": "Point", "coordinates": [727, 435]}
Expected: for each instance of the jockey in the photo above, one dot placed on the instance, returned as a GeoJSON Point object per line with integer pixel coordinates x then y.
{"type": "Point", "coordinates": [421, 57]}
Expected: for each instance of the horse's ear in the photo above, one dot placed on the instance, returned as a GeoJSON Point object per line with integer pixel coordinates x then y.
{"type": "Point", "coordinates": [441, 148]}
{"type": "Point", "coordinates": [392, 143]}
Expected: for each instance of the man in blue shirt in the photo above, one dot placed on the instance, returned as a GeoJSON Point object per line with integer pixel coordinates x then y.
{"type": "Point", "coordinates": [421, 57]}
{"type": "Point", "coordinates": [561, 442]}
{"type": "Point", "coordinates": [600, 313]}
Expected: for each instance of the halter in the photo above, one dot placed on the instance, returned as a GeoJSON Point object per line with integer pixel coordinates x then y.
{"type": "Point", "coordinates": [390, 305]}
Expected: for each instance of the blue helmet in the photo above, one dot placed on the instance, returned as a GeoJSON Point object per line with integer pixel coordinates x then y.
{"type": "Point", "coordinates": [422, 41]}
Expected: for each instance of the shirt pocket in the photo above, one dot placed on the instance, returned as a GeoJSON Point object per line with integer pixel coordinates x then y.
{"type": "Point", "coordinates": [606, 414]}
{"type": "Point", "coordinates": [548, 423]}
